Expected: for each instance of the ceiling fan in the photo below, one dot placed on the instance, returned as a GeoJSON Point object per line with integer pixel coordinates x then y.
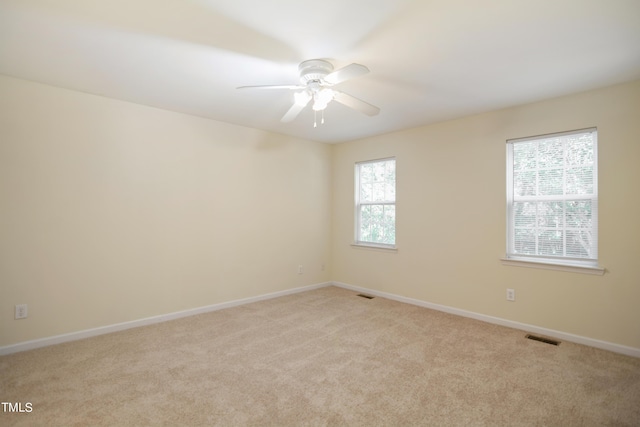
{"type": "Point", "coordinates": [316, 79]}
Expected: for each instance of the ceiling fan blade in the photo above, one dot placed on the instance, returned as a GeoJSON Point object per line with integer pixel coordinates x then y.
{"type": "Point", "coordinates": [355, 103]}
{"type": "Point", "coordinates": [349, 72]}
{"type": "Point", "coordinates": [292, 87]}
{"type": "Point", "coordinates": [302, 99]}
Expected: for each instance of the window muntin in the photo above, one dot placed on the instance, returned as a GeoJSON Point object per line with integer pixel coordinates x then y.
{"type": "Point", "coordinates": [552, 198]}
{"type": "Point", "coordinates": [375, 199]}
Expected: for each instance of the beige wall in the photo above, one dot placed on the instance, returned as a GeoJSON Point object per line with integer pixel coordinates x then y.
{"type": "Point", "coordinates": [451, 218]}
{"type": "Point", "coordinates": [111, 211]}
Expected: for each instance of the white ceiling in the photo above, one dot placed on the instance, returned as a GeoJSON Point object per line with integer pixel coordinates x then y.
{"type": "Point", "coordinates": [430, 60]}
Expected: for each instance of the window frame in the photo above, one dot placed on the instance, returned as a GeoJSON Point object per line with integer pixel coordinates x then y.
{"type": "Point", "coordinates": [564, 263]}
{"type": "Point", "coordinates": [358, 205]}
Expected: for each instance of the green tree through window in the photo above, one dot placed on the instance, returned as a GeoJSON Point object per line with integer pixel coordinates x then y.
{"type": "Point", "coordinates": [552, 198]}
{"type": "Point", "coordinates": [376, 202]}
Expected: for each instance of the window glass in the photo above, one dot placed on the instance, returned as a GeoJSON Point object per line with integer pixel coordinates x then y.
{"type": "Point", "coordinates": [376, 202]}
{"type": "Point", "coordinates": [552, 198]}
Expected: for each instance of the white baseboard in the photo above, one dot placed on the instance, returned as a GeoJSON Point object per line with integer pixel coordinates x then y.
{"type": "Point", "coordinates": [73, 336]}
{"type": "Point", "coordinates": [87, 333]}
{"type": "Point", "coordinates": [616, 348]}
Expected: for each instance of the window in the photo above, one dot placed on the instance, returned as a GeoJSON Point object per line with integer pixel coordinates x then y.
{"type": "Point", "coordinates": [376, 203]}
{"type": "Point", "coordinates": [552, 199]}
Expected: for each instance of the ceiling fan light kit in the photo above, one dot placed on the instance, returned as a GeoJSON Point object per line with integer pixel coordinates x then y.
{"type": "Point", "coordinates": [316, 78]}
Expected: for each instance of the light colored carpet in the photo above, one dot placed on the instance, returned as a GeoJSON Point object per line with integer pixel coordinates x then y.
{"type": "Point", "coordinates": [323, 357]}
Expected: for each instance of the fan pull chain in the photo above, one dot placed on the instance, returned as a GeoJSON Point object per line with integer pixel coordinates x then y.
{"type": "Point", "coordinates": [315, 118]}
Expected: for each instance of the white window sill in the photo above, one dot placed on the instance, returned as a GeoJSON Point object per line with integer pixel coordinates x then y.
{"type": "Point", "coordinates": [365, 245]}
{"type": "Point", "coordinates": [585, 269]}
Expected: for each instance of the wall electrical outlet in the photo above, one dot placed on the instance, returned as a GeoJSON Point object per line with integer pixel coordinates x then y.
{"type": "Point", "coordinates": [21, 311]}
{"type": "Point", "coordinates": [511, 295]}
{"type": "Point", "coordinates": [300, 269]}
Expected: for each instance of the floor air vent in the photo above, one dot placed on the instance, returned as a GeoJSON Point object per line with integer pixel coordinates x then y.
{"type": "Point", "coordinates": [541, 339]}
{"type": "Point", "coordinates": [365, 296]}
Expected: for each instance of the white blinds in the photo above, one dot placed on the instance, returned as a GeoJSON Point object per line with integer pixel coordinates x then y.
{"type": "Point", "coordinates": [552, 197]}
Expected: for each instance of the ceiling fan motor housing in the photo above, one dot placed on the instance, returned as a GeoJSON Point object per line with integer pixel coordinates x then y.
{"type": "Point", "coordinates": [314, 70]}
